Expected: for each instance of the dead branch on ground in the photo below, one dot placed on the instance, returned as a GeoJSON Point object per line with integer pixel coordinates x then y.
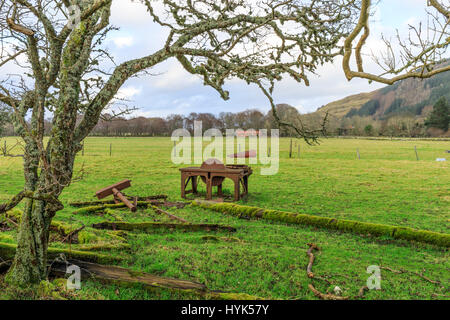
{"type": "Point", "coordinates": [170, 215]}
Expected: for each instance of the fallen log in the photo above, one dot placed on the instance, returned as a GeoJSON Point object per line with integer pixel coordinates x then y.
{"type": "Point", "coordinates": [8, 251]}
{"type": "Point", "coordinates": [105, 247]}
{"type": "Point", "coordinates": [93, 209]}
{"type": "Point", "coordinates": [90, 203]}
{"type": "Point", "coordinates": [171, 216]}
{"type": "Point", "coordinates": [144, 226]}
{"type": "Point", "coordinates": [118, 275]}
{"type": "Point", "coordinates": [126, 277]}
{"type": "Point", "coordinates": [147, 198]}
{"type": "Point", "coordinates": [357, 227]}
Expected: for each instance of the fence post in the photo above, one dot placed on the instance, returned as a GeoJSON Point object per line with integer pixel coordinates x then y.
{"type": "Point", "coordinates": [417, 155]}
{"type": "Point", "coordinates": [82, 150]}
{"type": "Point", "coordinates": [299, 150]}
{"type": "Point", "coordinates": [174, 148]}
{"type": "Point", "coordinates": [290, 150]}
{"type": "Point", "coordinates": [110, 149]}
{"type": "Point", "coordinates": [357, 152]}
{"type": "Point", "coordinates": [4, 150]}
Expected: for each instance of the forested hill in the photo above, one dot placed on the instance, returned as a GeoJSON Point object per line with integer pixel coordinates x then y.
{"type": "Point", "coordinates": [408, 97]}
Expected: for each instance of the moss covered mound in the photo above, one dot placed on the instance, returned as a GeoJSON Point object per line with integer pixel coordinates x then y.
{"type": "Point", "coordinates": [405, 233]}
{"type": "Point", "coordinates": [8, 250]}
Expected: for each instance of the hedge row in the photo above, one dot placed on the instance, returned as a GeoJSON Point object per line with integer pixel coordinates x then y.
{"type": "Point", "coordinates": [405, 233]}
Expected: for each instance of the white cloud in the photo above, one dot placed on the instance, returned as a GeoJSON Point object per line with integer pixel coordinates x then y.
{"type": "Point", "coordinates": [128, 92]}
{"type": "Point", "coordinates": [174, 77]}
{"type": "Point", "coordinates": [163, 106]}
{"type": "Point", "coordinates": [122, 42]}
{"type": "Point", "coordinates": [126, 12]}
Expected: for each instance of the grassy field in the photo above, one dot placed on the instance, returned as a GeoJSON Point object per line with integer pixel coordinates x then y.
{"type": "Point", "coordinates": [386, 185]}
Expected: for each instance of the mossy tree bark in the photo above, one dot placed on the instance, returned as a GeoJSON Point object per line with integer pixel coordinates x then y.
{"type": "Point", "coordinates": [31, 256]}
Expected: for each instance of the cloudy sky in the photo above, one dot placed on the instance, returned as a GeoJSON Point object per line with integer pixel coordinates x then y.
{"type": "Point", "coordinates": [173, 90]}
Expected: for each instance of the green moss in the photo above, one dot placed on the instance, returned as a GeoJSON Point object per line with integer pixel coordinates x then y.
{"type": "Point", "coordinates": [61, 227]}
{"type": "Point", "coordinates": [105, 247]}
{"type": "Point", "coordinates": [93, 209]}
{"type": "Point", "coordinates": [47, 290]}
{"type": "Point", "coordinates": [8, 250]}
{"type": "Point", "coordinates": [135, 274]}
{"type": "Point", "coordinates": [113, 214]}
{"type": "Point", "coordinates": [6, 237]}
{"type": "Point", "coordinates": [15, 214]}
{"type": "Point", "coordinates": [87, 237]}
{"type": "Point", "coordinates": [119, 235]}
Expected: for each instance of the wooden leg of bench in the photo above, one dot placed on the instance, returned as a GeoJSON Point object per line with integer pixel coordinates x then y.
{"type": "Point", "coordinates": [246, 184]}
{"type": "Point", "coordinates": [183, 186]}
{"type": "Point", "coordinates": [208, 189]}
{"type": "Point", "coordinates": [194, 184]}
{"type": "Point", "coordinates": [237, 189]}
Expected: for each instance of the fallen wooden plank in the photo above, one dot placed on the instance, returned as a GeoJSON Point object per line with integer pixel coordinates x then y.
{"type": "Point", "coordinates": [153, 225]}
{"type": "Point", "coordinates": [103, 193]}
{"type": "Point", "coordinates": [113, 274]}
{"type": "Point", "coordinates": [93, 209]}
{"type": "Point", "coordinates": [122, 276]}
{"type": "Point", "coordinates": [148, 198]}
{"type": "Point", "coordinates": [171, 216]}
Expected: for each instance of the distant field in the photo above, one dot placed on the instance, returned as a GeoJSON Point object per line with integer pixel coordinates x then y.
{"type": "Point", "coordinates": [386, 185]}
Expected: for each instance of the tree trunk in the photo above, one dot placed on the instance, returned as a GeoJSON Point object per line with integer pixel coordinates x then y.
{"type": "Point", "coordinates": [30, 261]}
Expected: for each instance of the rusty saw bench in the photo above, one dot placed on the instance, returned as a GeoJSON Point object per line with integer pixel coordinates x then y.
{"type": "Point", "coordinates": [213, 173]}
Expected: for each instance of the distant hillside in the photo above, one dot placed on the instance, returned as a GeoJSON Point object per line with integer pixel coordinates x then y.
{"type": "Point", "coordinates": [342, 107]}
{"type": "Point", "coordinates": [411, 96]}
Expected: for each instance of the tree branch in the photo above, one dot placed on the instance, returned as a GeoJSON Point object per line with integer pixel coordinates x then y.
{"type": "Point", "coordinates": [419, 65]}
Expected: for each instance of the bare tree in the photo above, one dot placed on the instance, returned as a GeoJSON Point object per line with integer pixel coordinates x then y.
{"type": "Point", "coordinates": [216, 40]}
{"type": "Point", "coordinates": [414, 56]}
{"type": "Point", "coordinates": [256, 41]}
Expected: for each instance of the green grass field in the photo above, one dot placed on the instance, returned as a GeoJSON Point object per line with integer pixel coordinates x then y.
{"type": "Point", "coordinates": [387, 185]}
